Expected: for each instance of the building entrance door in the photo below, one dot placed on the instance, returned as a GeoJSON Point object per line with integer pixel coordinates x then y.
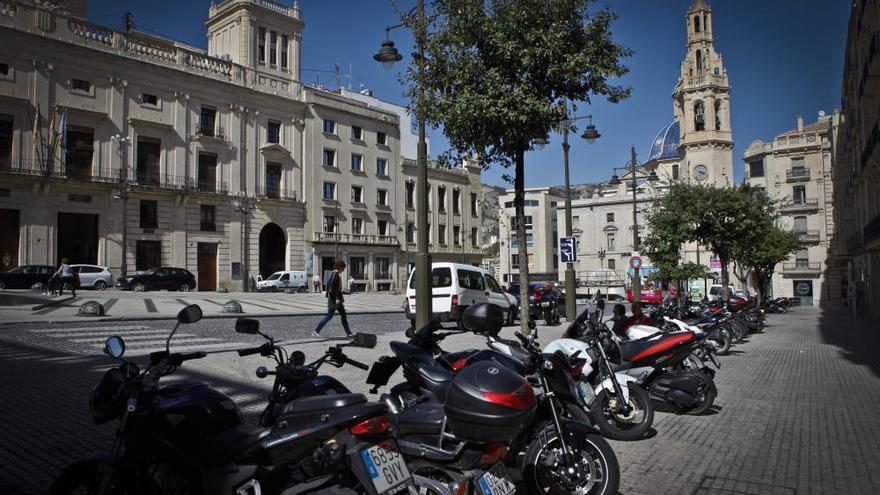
{"type": "Point", "coordinates": [9, 239]}
{"type": "Point", "coordinates": [207, 266]}
{"type": "Point", "coordinates": [77, 238]}
{"type": "Point", "coordinates": [272, 248]}
{"type": "Point", "coordinates": [804, 290]}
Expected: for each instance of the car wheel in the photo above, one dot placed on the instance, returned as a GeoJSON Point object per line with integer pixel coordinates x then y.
{"type": "Point", "coordinates": [511, 316]}
{"type": "Point", "coordinates": [184, 287]}
{"type": "Point", "coordinates": [100, 285]}
{"type": "Point", "coordinates": [140, 287]}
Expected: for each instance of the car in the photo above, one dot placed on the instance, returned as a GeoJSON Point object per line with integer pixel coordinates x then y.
{"type": "Point", "coordinates": [648, 296]}
{"type": "Point", "coordinates": [456, 286]}
{"type": "Point", "coordinates": [25, 276]}
{"type": "Point", "coordinates": [283, 280]}
{"type": "Point", "coordinates": [715, 291]}
{"type": "Point", "coordinates": [93, 276]}
{"type": "Point", "coordinates": [514, 290]}
{"type": "Point", "coordinates": [163, 277]}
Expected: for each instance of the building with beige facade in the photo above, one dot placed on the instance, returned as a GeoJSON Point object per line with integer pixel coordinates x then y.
{"type": "Point", "coordinates": [542, 239]}
{"type": "Point", "coordinates": [795, 169]}
{"type": "Point", "coordinates": [855, 247]}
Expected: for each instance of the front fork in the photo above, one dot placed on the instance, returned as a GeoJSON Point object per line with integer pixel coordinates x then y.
{"type": "Point", "coordinates": [566, 453]}
{"type": "Point", "coordinates": [107, 474]}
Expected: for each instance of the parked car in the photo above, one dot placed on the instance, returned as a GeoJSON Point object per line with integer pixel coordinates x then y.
{"type": "Point", "coordinates": [455, 287]}
{"type": "Point", "coordinates": [514, 290]}
{"type": "Point", "coordinates": [283, 280]}
{"type": "Point", "coordinates": [93, 276]}
{"type": "Point", "coordinates": [715, 292]}
{"type": "Point", "coordinates": [648, 296]}
{"type": "Point", "coordinates": [164, 277]}
{"type": "Point", "coordinates": [25, 276]}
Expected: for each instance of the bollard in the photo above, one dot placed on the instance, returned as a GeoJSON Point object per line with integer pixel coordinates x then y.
{"type": "Point", "coordinates": [222, 290]}
{"type": "Point", "coordinates": [91, 308]}
{"type": "Point", "coordinates": [232, 307]}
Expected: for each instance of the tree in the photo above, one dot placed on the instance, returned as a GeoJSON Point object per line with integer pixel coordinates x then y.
{"type": "Point", "coordinates": [498, 74]}
{"type": "Point", "coordinates": [773, 246]}
{"type": "Point", "coordinates": [492, 250]}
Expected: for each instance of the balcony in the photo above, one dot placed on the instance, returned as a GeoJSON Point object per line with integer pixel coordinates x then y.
{"type": "Point", "coordinates": [801, 269]}
{"type": "Point", "coordinates": [206, 186]}
{"type": "Point", "coordinates": [364, 239]}
{"type": "Point", "coordinates": [797, 175]}
{"type": "Point", "coordinates": [276, 193]}
{"type": "Point", "coordinates": [799, 206]}
{"type": "Point", "coordinates": [37, 168]}
{"type": "Point", "coordinates": [808, 236]}
{"type": "Point", "coordinates": [871, 234]}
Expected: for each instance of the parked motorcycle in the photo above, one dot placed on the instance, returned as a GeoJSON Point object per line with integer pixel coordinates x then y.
{"type": "Point", "coordinates": [547, 306]}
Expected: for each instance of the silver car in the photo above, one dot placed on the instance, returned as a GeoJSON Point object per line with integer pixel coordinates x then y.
{"type": "Point", "coordinates": [93, 277]}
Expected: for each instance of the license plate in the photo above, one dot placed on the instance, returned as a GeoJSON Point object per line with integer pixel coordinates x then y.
{"type": "Point", "coordinates": [545, 304]}
{"type": "Point", "coordinates": [586, 393]}
{"type": "Point", "coordinates": [495, 482]}
{"type": "Point", "coordinates": [386, 467]}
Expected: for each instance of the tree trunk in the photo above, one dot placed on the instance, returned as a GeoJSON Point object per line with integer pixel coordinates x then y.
{"type": "Point", "coordinates": [522, 247]}
{"type": "Point", "coordinates": [725, 279]}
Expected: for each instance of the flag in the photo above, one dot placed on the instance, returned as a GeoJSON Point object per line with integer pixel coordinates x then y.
{"type": "Point", "coordinates": [61, 130]}
{"type": "Point", "coordinates": [36, 134]}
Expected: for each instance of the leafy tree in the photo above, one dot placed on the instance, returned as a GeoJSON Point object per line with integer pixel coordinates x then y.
{"type": "Point", "coordinates": [492, 250]}
{"type": "Point", "coordinates": [772, 247]}
{"type": "Point", "coordinates": [498, 73]}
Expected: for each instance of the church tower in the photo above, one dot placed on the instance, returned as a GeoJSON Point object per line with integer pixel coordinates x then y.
{"type": "Point", "coordinates": [702, 104]}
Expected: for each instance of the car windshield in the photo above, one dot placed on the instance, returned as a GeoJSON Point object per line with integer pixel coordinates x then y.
{"type": "Point", "coordinates": [18, 269]}
{"type": "Point", "coordinates": [274, 276]}
{"type": "Point", "coordinates": [150, 271]}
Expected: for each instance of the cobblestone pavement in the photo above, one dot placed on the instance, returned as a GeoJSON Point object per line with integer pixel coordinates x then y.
{"type": "Point", "coordinates": [798, 410]}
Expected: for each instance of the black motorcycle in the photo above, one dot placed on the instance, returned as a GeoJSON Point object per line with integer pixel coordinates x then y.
{"type": "Point", "coordinates": [190, 438]}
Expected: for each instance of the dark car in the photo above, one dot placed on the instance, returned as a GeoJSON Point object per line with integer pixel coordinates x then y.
{"type": "Point", "coordinates": [514, 289]}
{"type": "Point", "coordinates": [25, 276]}
{"type": "Point", "coordinates": [163, 277]}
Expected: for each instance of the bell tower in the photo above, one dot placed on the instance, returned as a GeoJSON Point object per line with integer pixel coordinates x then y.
{"type": "Point", "coordinates": [701, 103]}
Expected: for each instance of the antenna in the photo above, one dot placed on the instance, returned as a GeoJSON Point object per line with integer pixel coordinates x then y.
{"type": "Point", "coordinates": [338, 77]}
{"type": "Point", "coordinates": [349, 76]}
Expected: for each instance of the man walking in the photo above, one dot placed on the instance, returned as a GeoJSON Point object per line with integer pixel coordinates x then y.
{"type": "Point", "coordinates": [67, 277]}
{"type": "Point", "coordinates": [316, 282]}
{"type": "Point", "coordinates": [335, 302]}
{"type": "Point", "coordinates": [351, 286]}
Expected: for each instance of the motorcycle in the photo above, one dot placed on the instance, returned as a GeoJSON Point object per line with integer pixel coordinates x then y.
{"type": "Point", "coordinates": [547, 308]}
{"type": "Point", "coordinates": [190, 438]}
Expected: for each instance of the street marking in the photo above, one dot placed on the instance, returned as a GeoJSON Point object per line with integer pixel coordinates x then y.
{"type": "Point", "coordinates": [181, 301]}
{"type": "Point", "coordinates": [131, 338]}
{"type": "Point", "coordinates": [109, 304]}
{"type": "Point", "coordinates": [212, 302]}
{"type": "Point", "coordinates": [260, 305]}
{"type": "Point", "coordinates": [204, 347]}
{"type": "Point", "coordinates": [89, 329]}
{"type": "Point", "coordinates": [151, 308]}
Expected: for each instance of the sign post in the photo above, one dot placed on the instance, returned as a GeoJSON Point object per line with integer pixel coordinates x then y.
{"type": "Point", "coordinates": [635, 262]}
{"type": "Point", "coordinates": [568, 250]}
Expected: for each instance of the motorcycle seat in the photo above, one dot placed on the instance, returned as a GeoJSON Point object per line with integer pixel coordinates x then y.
{"type": "Point", "coordinates": [622, 366]}
{"type": "Point", "coordinates": [639, 349]}
{"type": "Point", "coordinates": [436, 374]}
{"type": "Point", "coordinates": [232, 444]}
{"type": "Point", "coordinates": [425, 418]}
{"type": "Point", "coordinates": [516, 350]}
{"type": "Point", "coordinates": [323, 403]}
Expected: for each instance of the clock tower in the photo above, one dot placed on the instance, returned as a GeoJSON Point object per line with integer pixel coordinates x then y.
{"type": "Point", "coordinates": [701, 103]}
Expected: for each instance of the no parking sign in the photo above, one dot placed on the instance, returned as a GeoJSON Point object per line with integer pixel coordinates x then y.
{"type": "Point", "coordinates": [635, 262]}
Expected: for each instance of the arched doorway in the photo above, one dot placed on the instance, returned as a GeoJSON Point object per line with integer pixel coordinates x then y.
{"type": "Point", "coordinates": [272, 248]}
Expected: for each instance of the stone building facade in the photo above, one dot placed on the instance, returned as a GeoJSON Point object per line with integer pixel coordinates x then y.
{"type": "Point", "coordinates": [795, 170]}
{"type": "Point", "coordinates": [855, 248]}
{"type": "Point", "coordinates": [542, 234]}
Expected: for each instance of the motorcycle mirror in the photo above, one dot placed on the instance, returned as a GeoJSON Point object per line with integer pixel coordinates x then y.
{"type": "Point", "coordinates": [247, 326]}
{"type": "Point", "coordinates": [532, 324]}
{"type": "Point", "coordinates": [114, 347]}
{"type": "Point", "coordinates": [601, 304]}
{"type": "Point", "coordinates": [190, 314]}
{"type": "Point", "coordinates": [366, 340]}
{"type": "Point", "coordinates": [298, 358]}
{"type": "Point", "coordinates": [410, 333]}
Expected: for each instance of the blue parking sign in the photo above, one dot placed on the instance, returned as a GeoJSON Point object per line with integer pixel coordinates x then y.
{"type": "Point", "coordinates": [568, 252]}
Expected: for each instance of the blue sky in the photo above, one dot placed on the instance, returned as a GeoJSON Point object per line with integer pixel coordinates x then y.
{"type": "Point", "coordinates": [784, 59]}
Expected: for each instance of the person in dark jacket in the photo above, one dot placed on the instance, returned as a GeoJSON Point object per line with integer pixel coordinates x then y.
{"type": "Point", "coordinates": [335, 301]}
{"type": "Point", "coordinates": [619, 320]}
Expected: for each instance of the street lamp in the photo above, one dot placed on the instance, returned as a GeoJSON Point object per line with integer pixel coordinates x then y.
{"type": "Point", "coordinates": [122, 194]}
{"type": "Point", "coordinates": [245, 205]}
{"type": "Point", "coordinates": [388, 56]}
{"type": "Point", "coordinates": [650, 176]}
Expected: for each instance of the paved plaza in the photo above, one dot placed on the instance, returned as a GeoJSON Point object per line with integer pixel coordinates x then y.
{"type": "Point", "coordinates": [798, 410]}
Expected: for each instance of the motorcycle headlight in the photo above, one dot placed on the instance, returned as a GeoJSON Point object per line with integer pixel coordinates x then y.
{"type": "Point", "coordinates": [106, 400]}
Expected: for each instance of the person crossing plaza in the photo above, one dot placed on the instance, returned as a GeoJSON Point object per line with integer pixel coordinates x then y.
{"type": "Point", "coordinates": [335, 301]}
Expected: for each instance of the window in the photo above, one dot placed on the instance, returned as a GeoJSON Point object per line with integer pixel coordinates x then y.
{"type": "Point", "coordinates": [514, 260]}
{"type": "Point", "coordinates": [382, 197]}
{"type": "Point", "coordinates": [456, 235]}
{"type": "Point", "coordinates": [610, 241]}
{"type": "Point", "coordinates": [329, 157]}
{"type": "Point", "coordinates": [273, 180]}
{"type": "Point", "coordinates": [410, 194]}
{"type": "Point", "coordinates": [329, 190]}
{"type": "Point", "coordinates": [261, 41]}
{"type": "Point", "coordinates": [381, 139]}
{"type": "Point", "coordinates": [526, 203]}
{"type": "Point", "coordinates": [329, 126]}
{"type": "Point", "coordinates": [382, 227]}
{"type": "Point", "coordinates": [609, 217]}
{"type": "Point", "coordinates": [410, 232]}
{"type": "Point", "coordinates": [80, 147]}
{"type": "Point", "coordinates": [148, 152]}
{"type": "Point", "coordinates": [612, 263]}
{"type": "Point", "coordinates": [802, 259]}
{"type": "Point", "coordinates": [6, 127]}
{"type": "Point", "coordinates": [456, 198]}
{"type": "Point", "coordinates": [799, 194]}
{"type": "Point", "coordinates": [357, 133]}
{"type": "Point", "coordinates": [150, 100]}
{"type": "Point", "coordinates": [357, 225]}
{"type": "Point", "coordinates": [330, 224]}
{"type": "Point", "coordinates": [149, 214]}
{"type": "Point", "coordinates": [697, 24]}
{"type": "Point", "coordinates": [273, 132]}
{"type": "Point", "coordinates": [474, 207]}
{"type": "Point", "coordinates": [80, 85]}
{"type": "Point", "coordinates": [273, 47]}
{"type": "Point", "coordinates": [469, 279]}
{"type": "Point", "coordinates": [357, 163]}
{"type": "Point", "coordinates": [756, 168]}
{"type": "Point", "coordinates": [441, 233]}
{"type": "Point", "coordinates": [529, 241]}
{"type": "Point", "coordinates": [474, 236]}
{"type": "Point", "coordinates": [798, 169]}
{"type": "Point", "coordinates": [207, 172]}
{"type": "Point", "coordinates": [284, 51]}
{"type": "Point", "coordinates": [381, 167]}
{"type": "Point", "coordinates": [208, 218]}
{"type": "Point", "coordinates": [383, 266]}
{"type": "Point", "coordinates": [357, 194]}
{"type": "Point", "coordinates": [699, 62]}
{"type": "Point", "coordinates": [699, 116]}
{"type": "Point", "coordinates": [441, 198]}
{"type": "Point", "coordinates": [675, 172]}
{"type": "Point", "coordinates": [513, 224]}
{"type": "Point", "coordinates": [207, 121]}
{"type": "Point", "coordinates": [4, 69]}
{"type": "Point", "coordinates": [356, 267]}
{"type": "Point", "coordinates": [148, 254]}
{"type": "Point", "coordinates": [800, 225]}
{"type": "Point", "coordinates": [717, 115]}
{"type": "Point", "coordinates": [440, 277]}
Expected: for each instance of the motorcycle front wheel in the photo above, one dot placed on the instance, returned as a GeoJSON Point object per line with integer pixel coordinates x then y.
{"type": "Point", "coordinates": [618, 426]}
{"type": "Point", "coordinates": [543, 466]}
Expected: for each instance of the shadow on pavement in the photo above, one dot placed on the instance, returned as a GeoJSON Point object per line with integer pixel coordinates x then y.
{"type": "Point", "coordinates": [857, 338]}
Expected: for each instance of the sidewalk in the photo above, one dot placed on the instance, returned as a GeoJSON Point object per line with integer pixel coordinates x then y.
{"type": "Point", "coordinates": [18, 307]}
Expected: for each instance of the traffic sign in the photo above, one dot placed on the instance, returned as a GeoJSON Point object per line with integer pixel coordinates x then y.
{"type": "Point", "coordinates": [568, 252]}
{"type": "Point", "coordinates": [635, 262]}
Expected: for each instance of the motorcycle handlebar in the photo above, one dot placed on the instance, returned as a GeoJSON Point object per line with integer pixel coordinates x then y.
{"type": "Point", "coordinates": [249, 351]}
{"type": "Point", "coordinates": [178, 359]}
{"type": "Point", "coordinates": [357, 364]}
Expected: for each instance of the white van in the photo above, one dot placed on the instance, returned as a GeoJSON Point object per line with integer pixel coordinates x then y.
{"type": "Point", "coordinates": [283, 280]}
{"type": "Point", "coordinates": [715, 292]}
{"type": "Point", "coordinates": [455, 287]}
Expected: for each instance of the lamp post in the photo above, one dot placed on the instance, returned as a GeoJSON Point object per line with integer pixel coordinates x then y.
{"type": "Point", "coordinates": [634, 175]}
{"type": "Point", "coordinates": [590, 135]}
{"type": "Point", "coordinates": [387, 56]}
{"type": "Point", "coordinates": [122, 194]}
{"type": "Point", "coordinates": [245, 205]}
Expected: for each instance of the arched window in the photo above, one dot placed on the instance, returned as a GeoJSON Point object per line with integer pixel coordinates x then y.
{"type": "Point", "coordinates": [699, 62]}
{"type": "Point", "coordinates": [699, 116]}
{"type": "Point", "coordinates": [717, 115]}
{"type": "Point", "coordinates": [675, 172]}
{"type": "Point", "coordinates": [697, 23]}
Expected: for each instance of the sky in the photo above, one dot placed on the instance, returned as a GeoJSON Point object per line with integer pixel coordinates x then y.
{"type": "Point", "coordinates": [784, 59]}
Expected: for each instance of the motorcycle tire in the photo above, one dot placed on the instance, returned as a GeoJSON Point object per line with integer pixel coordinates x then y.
{"type": "Point", "coordinates": [722, 346]}
{"type": "Point", "coordinates": [82, 477]}
{"type": "Point", "coordinates": [632, 427]}
{"type": "Point", "coordinates": [540, 476]}
{"type": "Point", "coordinates": [705, 406]}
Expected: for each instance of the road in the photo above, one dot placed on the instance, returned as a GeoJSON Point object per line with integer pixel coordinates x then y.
{"type": "Point", "coordinates": [798, 408]}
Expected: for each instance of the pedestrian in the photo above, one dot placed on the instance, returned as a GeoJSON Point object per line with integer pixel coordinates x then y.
{"type": "Point", "coordinates": [316, 282]}
{"type": "Point", "coordinates": [335, 301]}
{"type": "Point", "coordinates": [351, 287]}
{"type": "Point", "coordinates": [620, 321]}
{"type": "Point", "coordinates": [67, 277]}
